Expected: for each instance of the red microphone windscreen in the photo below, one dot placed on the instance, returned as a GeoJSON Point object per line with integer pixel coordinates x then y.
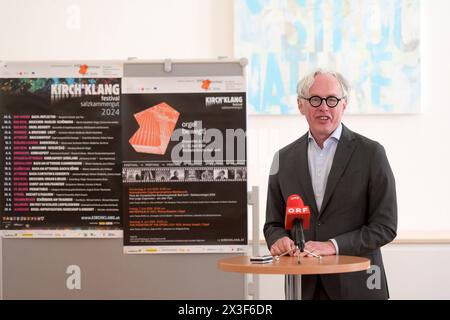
{"type": "Point", "coordinates": [295, 209]}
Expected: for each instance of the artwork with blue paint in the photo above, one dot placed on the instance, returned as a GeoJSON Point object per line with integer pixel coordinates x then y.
{"type": "Point", "coordinates": [373, 43]}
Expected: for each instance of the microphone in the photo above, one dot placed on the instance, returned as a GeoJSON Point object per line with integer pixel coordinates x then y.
{"type": "Point", "coordinates": [297, 219]}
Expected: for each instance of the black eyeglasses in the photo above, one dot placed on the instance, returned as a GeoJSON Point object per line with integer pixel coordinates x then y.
{"type": "Point", "coordinates": [316, 101]}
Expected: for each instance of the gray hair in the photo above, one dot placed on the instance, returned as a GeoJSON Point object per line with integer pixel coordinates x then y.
{"type": "Point", "coordinates": [305, 84]}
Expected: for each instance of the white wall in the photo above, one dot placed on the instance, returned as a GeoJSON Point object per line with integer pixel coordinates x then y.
{"type": "Point", "coordinates": [115, 29]}
{"type": "Point", "coordinates": [417, 145]}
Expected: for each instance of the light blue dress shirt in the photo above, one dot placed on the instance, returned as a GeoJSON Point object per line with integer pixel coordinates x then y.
{"type": "Point", "coordinates": [319, 163]}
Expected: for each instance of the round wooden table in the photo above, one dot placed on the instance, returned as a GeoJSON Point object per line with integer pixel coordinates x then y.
{"type": "Point", "coordinates": [290, 267]}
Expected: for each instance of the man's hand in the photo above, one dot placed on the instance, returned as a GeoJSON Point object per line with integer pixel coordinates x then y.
{"type": "Point", "coordinates": [281, 246]}
{"type": "Point", "coordinates": [325, 248]}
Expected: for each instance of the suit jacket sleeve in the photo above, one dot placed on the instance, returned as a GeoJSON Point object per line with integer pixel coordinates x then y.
{"type": "Point", "coordinates": [274, 225]}
{"type": "Point", "coordinates": [381, 226]}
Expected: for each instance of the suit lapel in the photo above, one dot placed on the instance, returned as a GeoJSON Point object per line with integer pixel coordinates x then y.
{"type": "Point", "coordinates": [304, 175]}
{"type": "Point", "coordinates": [344, 151]}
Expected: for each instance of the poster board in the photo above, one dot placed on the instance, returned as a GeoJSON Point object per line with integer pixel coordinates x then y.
{"type": "Point", "coordinates": [60, 123]}
{"type": "Point", "coordinates": [184, 157]}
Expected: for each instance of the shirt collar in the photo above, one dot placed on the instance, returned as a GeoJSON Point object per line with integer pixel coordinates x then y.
{"type": "Point", "coordinates": [336, 134]}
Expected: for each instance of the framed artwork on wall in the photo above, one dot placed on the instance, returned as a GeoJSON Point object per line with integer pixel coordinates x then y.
{"type": "Point", "coordinates": [375, 44]}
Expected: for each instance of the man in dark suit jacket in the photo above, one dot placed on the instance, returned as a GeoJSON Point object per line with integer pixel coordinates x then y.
{"type": "Point", "coordinates": [346, 180]}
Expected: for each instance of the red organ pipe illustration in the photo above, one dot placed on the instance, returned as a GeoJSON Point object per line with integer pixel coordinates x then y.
{"type": "Point", "coordinates": [156, 125]}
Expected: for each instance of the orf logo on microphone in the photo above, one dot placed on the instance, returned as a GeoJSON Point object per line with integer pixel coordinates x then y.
{"type": "Point", "coordinates": [297, 210]}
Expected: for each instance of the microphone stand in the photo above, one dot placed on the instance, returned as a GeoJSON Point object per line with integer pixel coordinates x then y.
{"type": "Point", "coordinates": [293, 283]}
{"type": "Point", "coordinates": [298, 235]}
{"type": "Point", "coordinates": [299, 238]}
